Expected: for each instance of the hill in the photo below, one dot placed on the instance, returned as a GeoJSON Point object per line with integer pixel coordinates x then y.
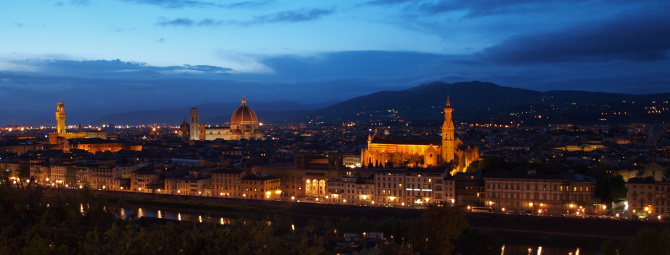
{"type": "Point", "coordinates": [485, 101]}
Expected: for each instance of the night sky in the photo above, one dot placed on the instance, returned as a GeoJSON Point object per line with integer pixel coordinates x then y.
{"type": "Point", "coordinates": [104, 57]}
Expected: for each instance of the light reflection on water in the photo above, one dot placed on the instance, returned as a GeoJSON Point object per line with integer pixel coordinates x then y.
{"type": "Point", "coordinates": [521, 249]}
{"type": "Point", "coordinates": [136, 213]}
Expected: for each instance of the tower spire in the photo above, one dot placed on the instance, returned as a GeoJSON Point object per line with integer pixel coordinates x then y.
{"type": "Point", "coordinates": [448, 102]}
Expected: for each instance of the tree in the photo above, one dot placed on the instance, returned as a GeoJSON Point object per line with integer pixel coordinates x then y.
{"type": "Point", "coordinates": [437, 228]}
{"type": "Point", "coordinates": [479, 242]}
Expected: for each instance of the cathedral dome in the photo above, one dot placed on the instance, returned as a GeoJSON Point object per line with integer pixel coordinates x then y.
{"type": "Point", "coordinates": [243, 114]}
{"type": "Point", "coordinates": [237, 132]}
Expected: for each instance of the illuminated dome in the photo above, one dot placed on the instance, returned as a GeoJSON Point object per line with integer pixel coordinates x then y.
{"type": "Point", "coordinates": [244, 123]}
{"type": "Point", "coordinates": [243, 114]}
{"type": "Point", "coordinates": [237, 132]}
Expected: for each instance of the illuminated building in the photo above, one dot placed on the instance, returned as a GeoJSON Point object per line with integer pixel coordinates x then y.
{"type": "Point", "coordinates": [195, 125]}
{"type": "Point", "coordinates": [41, 172]}
{"type": "Point", "coordinates": [351, 160]}
{"type": "Point", "coordinates": [411, 187]}
{"type": "Point", "coordinates": [648, 198]}
{"type": "Point", "coordinates": [62, 134]}
{"type": "Point", "coordinates": [94, 145]}
{"type": "Point", "coordinates": [60, 118]}
{"type": "Point", "coordinates": [226, 182]}
{"type": "Point", "coordinates": [556, 194]}
{"type": "Point", "coordinates": [350, 190]}
{"type": "Point", "coordinates": [260, 186]}
{"type": "Point", "coordinates": [393, 153]}
{"type": "Point", "coordinates": [243, 125]}
{"type": "Point", "coordinates": [306, 180]}
{"type": "Point", "coordinates": [141, 181]}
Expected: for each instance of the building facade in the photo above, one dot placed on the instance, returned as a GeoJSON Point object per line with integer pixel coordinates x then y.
{"type": "Point", "coordinates": [560, 194]}
{"type": "Point", "coordinates": [401, 187]}
{"type": "Point", "coordinates": [648, 198]}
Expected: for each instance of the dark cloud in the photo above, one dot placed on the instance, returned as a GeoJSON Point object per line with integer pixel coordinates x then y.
{"type": "Point", "coordinates": [640, 36]}
{"type": "Point", "coordinates": [353, 64]}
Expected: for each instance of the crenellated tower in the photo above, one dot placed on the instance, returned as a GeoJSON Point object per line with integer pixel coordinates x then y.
{"type": "Point", "coordinates": [448, 130]}
{"type": "Point", "coordinates": [60, 117]}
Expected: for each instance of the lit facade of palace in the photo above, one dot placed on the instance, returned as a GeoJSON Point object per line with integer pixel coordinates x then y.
{"type": "Point", "coordinates": [392, 152]}
{"type": "Point", "coordinates": [560, 194]}
{"type": "Point", "coordinates": [243, 125]}
{"type": "Point", "coordinates": [62, 134]}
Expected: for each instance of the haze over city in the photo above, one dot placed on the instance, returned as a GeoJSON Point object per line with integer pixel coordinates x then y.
{"type": "Point", "coordinates": [114, 56]}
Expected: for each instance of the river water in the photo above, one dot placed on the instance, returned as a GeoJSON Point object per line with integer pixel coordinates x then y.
{"type": "Point", "coordinates": [520, 244]}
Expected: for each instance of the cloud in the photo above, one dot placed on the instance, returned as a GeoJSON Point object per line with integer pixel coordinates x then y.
{"type": "Point", "coordinates": [79, 2]}
{"type": "Point", "coordinates": [18, 24]}
{"type": "Point", "coordinates": [173, 4]}
{"type": "Point", "coordinates": [482, 8]}
{"type": "Point", "coordinates": [353, 64]}
{"type": "Point", "coordinates": [117, 68]}
{"type": "Point", "coordinates": [183, 22]}
{"type": "Point", "coordinates": [294, 16]}
{"type": "Point", "coordinates": [641, 36]}
{"type": "Point", "coordinates": [388, 2]}
{"type": "Point", "coordinates": [474, 8]}
{"type": "Point", "coordinates": [301, 15]}
{"type": "Point", "coordinates": [186, 22]}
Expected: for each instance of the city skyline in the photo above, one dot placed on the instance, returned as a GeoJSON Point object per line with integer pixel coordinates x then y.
{"type": "Point", "coordinates": [117, 56]}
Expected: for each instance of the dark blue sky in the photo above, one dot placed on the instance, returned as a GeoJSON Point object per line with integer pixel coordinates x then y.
{"type": "Point", "coordinates": [102, 58]}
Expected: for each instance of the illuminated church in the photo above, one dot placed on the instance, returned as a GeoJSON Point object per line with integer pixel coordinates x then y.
{"type": "Point", "coordinates": [243, 125]}
{"type": "Point", "coordinates": [398, 152]}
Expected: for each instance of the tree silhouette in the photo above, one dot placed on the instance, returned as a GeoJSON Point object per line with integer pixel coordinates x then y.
{"type": "Point", "coordinates": [437, 229]}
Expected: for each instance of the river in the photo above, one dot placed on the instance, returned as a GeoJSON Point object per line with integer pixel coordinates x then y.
{"type": "Point", "coordinates": [515, 243]}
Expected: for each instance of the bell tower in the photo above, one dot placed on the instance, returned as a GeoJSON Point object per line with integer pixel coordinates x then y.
{"type": "Point", "coordinates": [195, 124]}
{"type": "Point", "coordinates": [448, 131]}
{"type": "Point", "coordinates": [60, 117]}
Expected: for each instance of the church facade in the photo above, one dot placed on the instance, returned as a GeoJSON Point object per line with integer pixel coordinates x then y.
{"type": "Point", "coordinates": [243, 125]}
{"type": "Point", "coordinates": [400, 153]}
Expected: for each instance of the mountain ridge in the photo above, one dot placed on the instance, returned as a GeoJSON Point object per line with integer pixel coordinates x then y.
{"type": "Point", "coordinates": [475, 100]}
